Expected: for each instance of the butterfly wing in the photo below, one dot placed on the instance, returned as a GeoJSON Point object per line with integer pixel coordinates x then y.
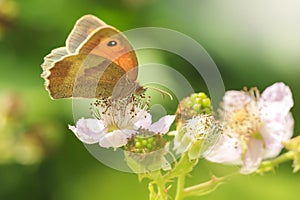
{"type": "Point", "coordinates": [82, 29]}
{"type": "Point", "coordinates": [88, 67]}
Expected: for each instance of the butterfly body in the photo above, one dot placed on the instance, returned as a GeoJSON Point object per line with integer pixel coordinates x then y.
{"type": "Point", "coordinates": [98, 61]}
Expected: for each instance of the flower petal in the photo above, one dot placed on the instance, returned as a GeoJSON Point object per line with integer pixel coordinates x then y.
{"type": "Point", "coordinates": [117, 138]}
{"type": "Point", "coordinates": [235, 100]}
{"type": "Point", "coordinates": [163, 124]}
{"type": "Point", "coordinates": [227, 150]}
{"type": "Point", "coordinates": [277, 100]}
{"type": "Point", "coordinates": [253, 156]}
{"type": "Point", "coordinates": [182, 142]}
{"type": "Point", "coordinates": [142, 120]}
{"type": "Point", "coordinates": [274, 133]}
{"type": "Point", "coordinates": [88, 131]}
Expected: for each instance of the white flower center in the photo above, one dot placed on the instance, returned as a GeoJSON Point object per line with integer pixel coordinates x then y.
{"type": "Point", "coordinates": [120, 113]}
{"type": "Point", "coordinates": [245, 121]}
{"type": "Point", "coordinates": [197, 127]}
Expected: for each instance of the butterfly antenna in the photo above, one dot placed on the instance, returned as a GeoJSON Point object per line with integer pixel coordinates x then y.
{"type": "Point", "coordinates": [161, 91]}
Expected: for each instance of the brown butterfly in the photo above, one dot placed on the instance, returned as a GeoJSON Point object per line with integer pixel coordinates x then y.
{"type": "Point", "coordinates": [97, 61]}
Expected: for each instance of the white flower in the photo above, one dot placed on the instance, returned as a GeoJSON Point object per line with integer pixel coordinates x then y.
{"type": "Point", "coordinates": [197, 136]}
{"type": "Point", "coordinates": [117, 121]}
{"type": "Point", "coordinates": [254, 126]}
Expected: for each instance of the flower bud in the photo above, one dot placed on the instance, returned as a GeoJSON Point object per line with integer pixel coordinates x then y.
{"type": "Point", "coordinates": [145, 143]}
{"type": "Point", "coordinates": [195, 104]}
{"type": "Point", "coordinates": [145, 152]}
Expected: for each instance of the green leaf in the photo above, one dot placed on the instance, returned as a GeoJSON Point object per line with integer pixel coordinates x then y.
{"type": "Point", "coordinates": [183, 166]}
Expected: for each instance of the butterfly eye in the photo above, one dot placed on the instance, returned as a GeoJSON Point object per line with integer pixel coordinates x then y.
{"type": "Point", "coordinates": [112, 43]}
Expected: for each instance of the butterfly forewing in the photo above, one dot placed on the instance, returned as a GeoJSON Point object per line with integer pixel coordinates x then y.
{"type": "Point", "coordinates": [82, 29]}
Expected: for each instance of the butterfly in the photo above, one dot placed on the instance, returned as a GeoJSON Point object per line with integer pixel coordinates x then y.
{"type": "Point", "coordinates": [98, 61]}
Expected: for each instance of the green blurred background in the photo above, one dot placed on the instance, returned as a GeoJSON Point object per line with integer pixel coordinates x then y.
{"type": "Point", "coordinates": [253, 43]}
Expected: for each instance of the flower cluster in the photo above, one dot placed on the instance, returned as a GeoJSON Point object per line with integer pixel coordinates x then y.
{"type": "Point", "coordinates": [250, 127]}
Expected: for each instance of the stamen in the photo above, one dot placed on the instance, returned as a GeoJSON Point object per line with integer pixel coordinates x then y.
{"type": "Point", "coordinates": [119, 113]}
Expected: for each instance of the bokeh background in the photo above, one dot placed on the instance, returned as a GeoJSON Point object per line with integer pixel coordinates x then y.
{"type": "Point", "coordinates": [253, 43]}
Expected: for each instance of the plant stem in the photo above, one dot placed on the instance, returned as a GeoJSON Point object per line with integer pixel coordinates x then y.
{"type": "Point", "coordinates": [160, 182]}
{"type": "Point", "coordinates": [205, 188]}
{"type": "Point", "coordinates": [152, 194]}
{"type": "Point", "coordinates": [270, 164]}
{"type": "Point", "coordinates": [180, 170]}
{"type": "Point", "coordinates": [283, 158]}
{"type": "Point", "coordinates": [161, 190]}
{"type": "Point", "coordinates": [180, 187]}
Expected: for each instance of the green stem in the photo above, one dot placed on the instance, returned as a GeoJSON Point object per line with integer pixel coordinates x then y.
{"type": "Point", "coordinates": [205, 188]}
{"type": "Point", "coordinates": [180, 187]}
{"type": "Point", "coordinates": [152, 194]}
{"type": "Point", "coordinates": [269, 165]}
{"type": "Point", "coordinates": [183, 167]}
{"type": "Point", "coordinates": [283, 158]}
{"type": "Point", "coordinates": [162, 195]}
{"type": "Point", "coordinates": [160, 182]}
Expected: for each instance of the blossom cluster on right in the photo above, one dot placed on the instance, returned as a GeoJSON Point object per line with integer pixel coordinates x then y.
{"type": "Point", "coordinates": [254, 127]}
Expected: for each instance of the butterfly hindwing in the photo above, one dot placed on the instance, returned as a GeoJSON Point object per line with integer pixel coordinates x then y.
{"type": "Point", "coordinates": [85, 76]}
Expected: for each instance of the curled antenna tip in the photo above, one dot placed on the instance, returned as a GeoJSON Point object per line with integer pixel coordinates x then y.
{"type": "Point", "coordinates": [161, 91]}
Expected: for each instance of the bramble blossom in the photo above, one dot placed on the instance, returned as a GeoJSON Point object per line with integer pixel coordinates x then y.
{"type": "Point", "coordinates": [116, 121]}
{"type": "Point", "coordinates": [254, 126]}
